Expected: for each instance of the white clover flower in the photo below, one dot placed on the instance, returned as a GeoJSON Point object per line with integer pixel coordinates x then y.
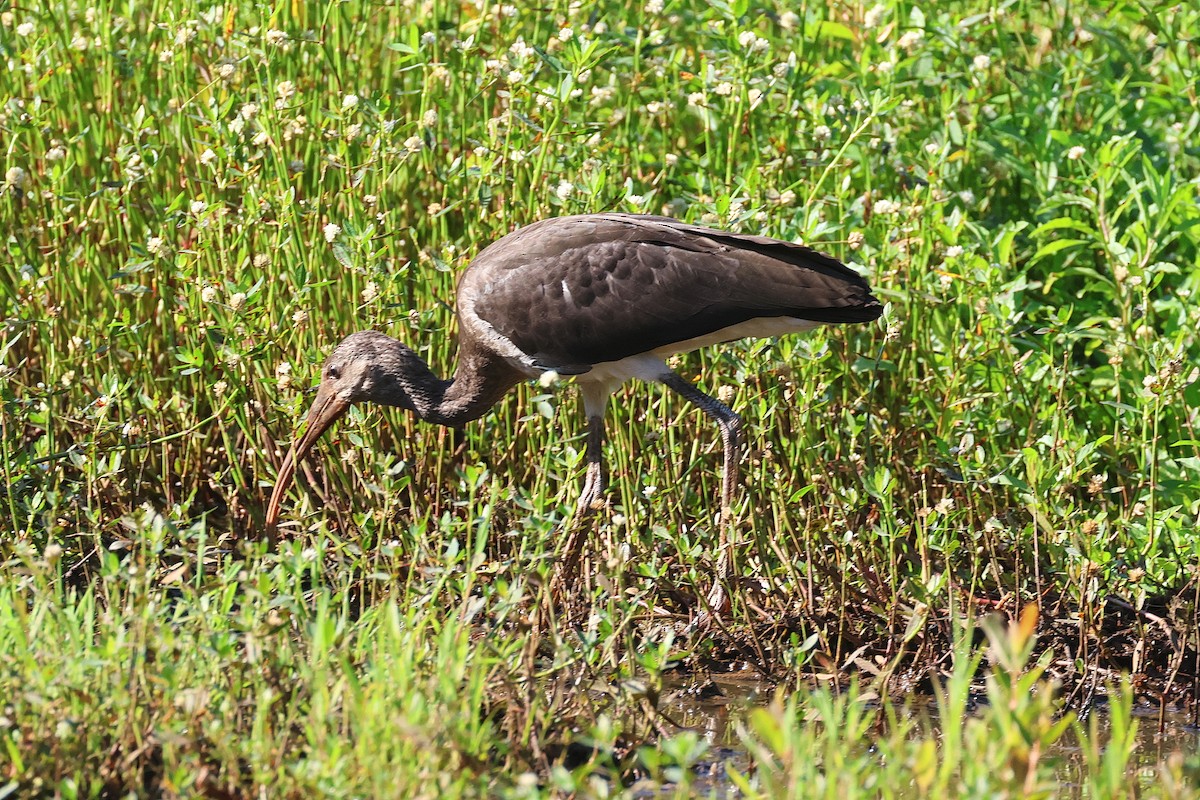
{"type": "Point", "coordinates": [428, 39]}
{"type": "Point", "coordinates": [56, 153]}
{"type": "Point", "coordinates": [248, 111]}
{"type": "Point", "coordinates": [514, 76]}
{"type": "Point", "coordinates": [262, 261]}
{"type": "Point", "coordinates": [636, 200]}
{"type": "Point", "coordinates": [184, 35]}
{"type": "Point", "coordinates": [967, 197]}
{"type": "Point", "coordinates": [276, 37]}
{"type": "Point", "coordinates": [300, 317]}
{"type": "Point", "coordinates": [564, 190]}
{"type": "Point", "coordinates": [156, 246]}
{"type": "Point", "coordinates": [237, 300]}
{"type": "Point", "coordinates": [80, 42]}
{"type": "Point", "coordinates": [414, 144]}
{"type": "Point", "coordinates": [746, 38]}
{"type": "Point", "coordinates": [285, 89]}
{"type": "Point", "coordinates": [671, 159]}
{"type": "Point", "coordinates": [789, 20]}
{"type": "Point", "coordinates": [220, 387]}
{"type": "Point", "coordinates": [208, 157]}
{"type": "Point", "coordinates": [981, 62]}
{"type": "Point", "coordinates": [654, 6]}
{"type": "Point", "coordinates": [25, 29]}
{"type": "Point", "coordinates": [226, 71]}
{"type": "Point", "coordinates": [260, 138]}
{"type": "Point", "coordinates": [855, 239]}
{"type": "Point", "coordinates": [209, 294]}
{"type": "Point", "coordinates": [429, 118]}
{"type": "Point", "coordinates": [283, 372]}
{"type": "Point", "coordinates": [370, 291]}
{"type": "Point", "coordinates": [724, 88]}
{"type": "Point", "coordinates": [198, 207]}
{"type": "Point", "coordinates": [697, 100]}
{"type": "Point", "coordinates": [944, 506]}
{"type": "Point", "coordinates": [349, 101]}
{"type": "Point", "coordinates": [885, 67]}
{"type": "Point", "coordinates": [331, 231]}
{"type": "Point", "coordinates": [822, 132]}
{"type": "Point", "coordinates": [886, 206]}
{"type": "Point", "coordinates": [954, 251]}
{"type": "Point", "coordinates": [16, 177]}
{"type": "Point", "coordinates": [516, 156]}
{"type": "Point", "coordinates": [786, 198]}
{"type": "Point", "coordinates": [370, 200]}
{"type": "Point", "coordinates": [1076, 152]}
{"type": "Point", "coordinates": [910, 39]}
{"type": "Point", "coordinates": [566, 34]}
{"type": "Point", "coordinates": [873, 17]}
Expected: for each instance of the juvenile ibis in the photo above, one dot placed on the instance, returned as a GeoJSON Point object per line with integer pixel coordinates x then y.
{"type": "Point", "coordinates": [602, 298]}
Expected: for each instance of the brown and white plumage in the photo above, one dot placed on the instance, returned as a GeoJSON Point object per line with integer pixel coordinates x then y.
{"type": "Point", "coordinates": [603, 298]}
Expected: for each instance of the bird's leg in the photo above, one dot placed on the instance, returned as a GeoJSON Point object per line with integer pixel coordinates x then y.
{"type": "Point", "coordinates": [595, 400]}
{"type": "Point", "coordinates": [589, 500]}
{"type": "Point", "coordinates": [731, 435]}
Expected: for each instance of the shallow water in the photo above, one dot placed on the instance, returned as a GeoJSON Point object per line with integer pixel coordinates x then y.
{"type": "Point", "coordinates": [716, 715]}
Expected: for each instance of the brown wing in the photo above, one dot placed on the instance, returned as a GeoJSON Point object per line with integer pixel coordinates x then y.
{"type": "Point", "coordinates": [575, 291]}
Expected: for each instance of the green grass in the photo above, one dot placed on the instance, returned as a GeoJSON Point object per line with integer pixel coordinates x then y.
{"type": "Point", "coordinates": [199, 200]}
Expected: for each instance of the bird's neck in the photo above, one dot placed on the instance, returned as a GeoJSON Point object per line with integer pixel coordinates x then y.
{"type": "Point", "coordinates": [478, 383]}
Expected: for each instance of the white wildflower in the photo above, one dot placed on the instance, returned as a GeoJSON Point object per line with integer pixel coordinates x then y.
{"type": "Point", "coordinates": [226, 71]}
{"type": "Point", "coordinates": [873, 17]}
{"type": "Point", "coordinates": [156, 246]}
{"type": "Point", "coordinates": [208, 157]}
{"type": "Point", "coordinates": [1076, 152]}
{"type": "Point", "coordinates": [237, 300]}
{"type": "Point", "coordinates": [886, 206]}
{"type": "Point", "coordinates": [370, 291]}
{"type": "Point", "coordinates": [300, 317]}
{"type": "Point", "coordinates": [566, 34]}
{"type": "Point", "coordinates": [724, 88]}
{"type": "Point", "coordinates": [982, 62]}
{"type": "Point", "coordinates": [954, 251]}
{"type": "Point", "coordinates": [209, 294]}
{"type": "Point", "coordinates": [414, 144]}
{"type": "Point", "coordinates": [276, 37]}
{"type": "Point", "coordinates": [285, 89]}
{"type": "Point", "coordinates": [429, 119]}
{"type": "Point", "coordinates": [25, 29]}
{"type": "Point", "coordinates": [16, 177]}
{"type": "Point", "coordinates": [331, 231]}
{"type": "Point", "coordinates": [910, 39]}
{"type": "Point", "coordinates": [822, 133]}
{"type": "Point", "coordinates": [564, 190]}
{"type": "Point", "coordinates": [349, 101]}
{"type": "Point", "coordinates": [248, 111]}
{"type": "Point", "coordinates": [787, 197]}
{"type": "Point", "coordinates": [198, 207]}
{"type": "Point", "coordinates": [789, 20]}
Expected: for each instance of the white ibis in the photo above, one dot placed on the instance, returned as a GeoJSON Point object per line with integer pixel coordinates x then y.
{"type": "Point", "coordinates": [603, 298]}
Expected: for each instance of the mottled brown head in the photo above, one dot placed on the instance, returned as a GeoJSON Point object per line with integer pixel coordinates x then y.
{"type": "Point", "coordinates": [365, 366]}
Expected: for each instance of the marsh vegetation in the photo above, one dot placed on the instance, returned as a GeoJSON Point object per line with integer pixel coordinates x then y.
{"type": "Point", "coordinates": [199, 199]}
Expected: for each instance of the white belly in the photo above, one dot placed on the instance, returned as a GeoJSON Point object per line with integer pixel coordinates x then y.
{"type": "Point", "coordinates": [651, 366]}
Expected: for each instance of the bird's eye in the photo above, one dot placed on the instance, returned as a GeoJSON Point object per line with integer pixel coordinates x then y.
{"type": "Point", "coordinates": [334, 373]}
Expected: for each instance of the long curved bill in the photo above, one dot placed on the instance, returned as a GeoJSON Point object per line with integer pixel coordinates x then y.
{"type": "Point", "coordinates": [325, 410]}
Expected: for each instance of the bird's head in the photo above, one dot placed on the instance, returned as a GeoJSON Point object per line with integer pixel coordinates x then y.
{"type": "Point", "coordinates": [365, 366]}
